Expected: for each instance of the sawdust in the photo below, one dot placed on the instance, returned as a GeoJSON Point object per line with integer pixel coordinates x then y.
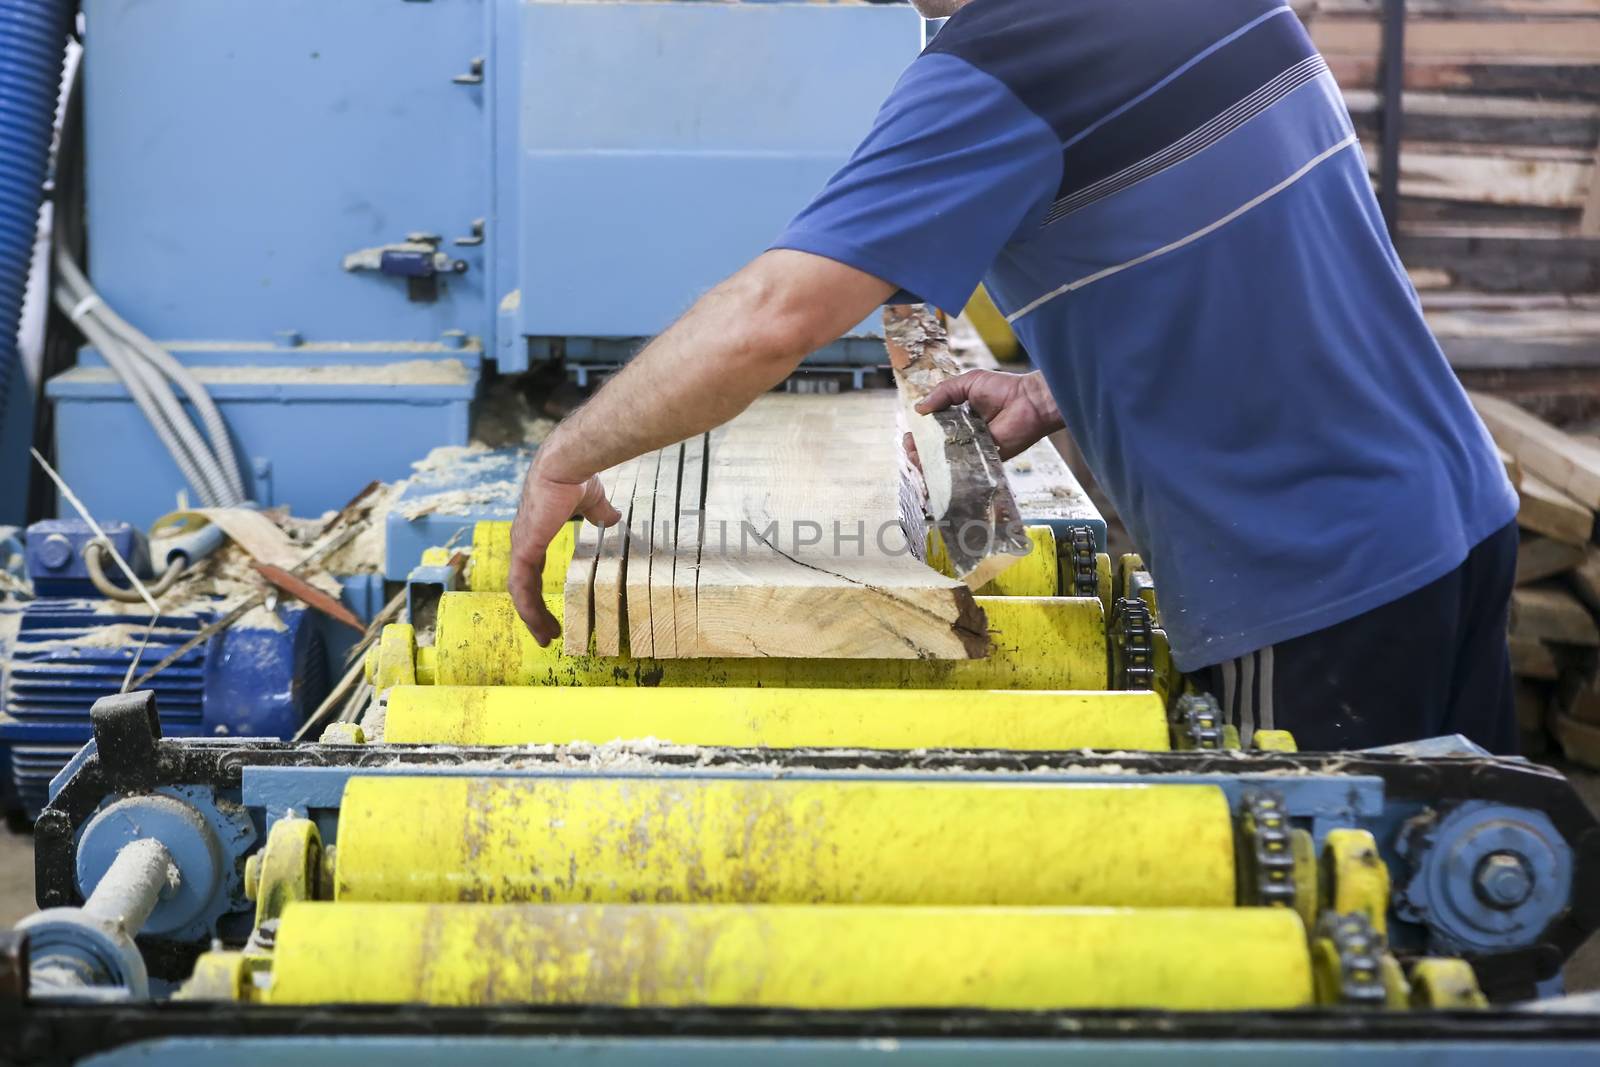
{"type": "Point", "coordinates": [507, 419]}
{"type": "Point", "coordinates": [448, 457]}
{"type": "Point", "coordinates": [461, 501]}
{"type": "Point", "coordinates": [496, 478]}
{"type": "Point", "coordinates": [261, 617]}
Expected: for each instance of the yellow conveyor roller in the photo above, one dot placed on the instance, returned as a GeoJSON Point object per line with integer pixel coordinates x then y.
{"type": "Point", "coordinates": [1035, 643]}
{"type": "Point", "coordinates": [793, 957]}
{"type": "Point", "coordinates": [782, 841]}
{"type": "Point", "coordinates": [778, 718]}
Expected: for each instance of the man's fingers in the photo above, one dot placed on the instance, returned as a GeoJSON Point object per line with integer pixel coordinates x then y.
{"type": "Point", "coordinates": [595, 507]}
{"type": "Point", "coordinates": [527, 595]}
{"type": "Point", "coordinates": [947, 393]}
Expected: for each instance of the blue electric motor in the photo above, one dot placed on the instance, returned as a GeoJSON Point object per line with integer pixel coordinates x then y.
{"type": "Point", "coordinates": [61, 652]}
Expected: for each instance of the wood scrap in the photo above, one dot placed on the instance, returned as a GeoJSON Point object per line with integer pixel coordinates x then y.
{"type": "Point", "coordinates": [1552, 615]}
{"type": "Point", "coordinates": [968, 496]}
{"type": "Point", "coordinates": [1543, 450]}
{"type": "Point", "coordinates": [1540, 557]}
{"type": "Point", "coordinates": [606, 598]}
{"type": "Point", "coordinates": [640, 637]}
{"type": "Point", "coordinates": [1585, 578]}
{"type": "Point", "coordinates": [1547, 511]}
{"type": "Point", "coordinates": [663, 553]}
{"type": "Point", "coordinates": [1531, 658]}
{"type": "Point", "coordinates": [310, 595]}
{"type": "Point", "coordinates": [1580, 741]}
{"type": "Point", "coordinates": [687, 545]}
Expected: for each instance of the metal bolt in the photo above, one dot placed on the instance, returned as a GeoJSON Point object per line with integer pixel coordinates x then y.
{"type": "Point", "coordinates": [1503, 880]}
{"type": "Point", "coordinates": [55, 551]}
{"type": "Point", "coordinates": [454, 338]}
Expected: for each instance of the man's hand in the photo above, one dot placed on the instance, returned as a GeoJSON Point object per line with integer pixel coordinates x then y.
{"type": "Point", "coordinates": [1018, 407]}
{"type": "Point", "coordinates": [546, 506]}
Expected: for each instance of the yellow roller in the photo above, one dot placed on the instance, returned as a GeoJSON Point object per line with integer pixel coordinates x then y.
{"type": "Point", "coordinates": [782, 841]}
{"type": "Point", "coordinates": [778, 718]}
{"type": "Point", "coordinates": [1036, 574]}
{"type": "Point", "coordinates": [791, 957]}
{"type": "Point", "coordinates": [1035, 643]}
{"type": "Point", "coordinates": [491, 557]}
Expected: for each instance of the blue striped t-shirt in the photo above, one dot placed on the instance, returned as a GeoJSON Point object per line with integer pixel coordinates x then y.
{"type": "Point", "coordinates": [1167, 199]}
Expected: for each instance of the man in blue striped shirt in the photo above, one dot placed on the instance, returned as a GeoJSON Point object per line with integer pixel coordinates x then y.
{"type": "Point", "coordinates": [1168, 201]}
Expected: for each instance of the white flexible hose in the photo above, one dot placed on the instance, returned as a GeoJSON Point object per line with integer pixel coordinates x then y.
{"type": "Point", "coordinates": [145, 370]}
{"type": "Point", "coordinates": [216, 428]}
{"type": "Point", "coordinates": [111, 349]}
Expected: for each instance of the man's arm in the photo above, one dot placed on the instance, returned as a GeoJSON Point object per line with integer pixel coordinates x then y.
{"type": "Point", "coordinates": [739, 340]}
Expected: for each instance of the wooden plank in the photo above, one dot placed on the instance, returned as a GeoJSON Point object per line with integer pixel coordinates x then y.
{"type": "Point", "coordinates": [1589, 221]}
{"type": "Point", "coordinates": [686, 549]}
{"type": "Point", "coordinates": [1504, 259]}
{"type": "Point", "coordinates": [640, 638]}
{"type": "Point", "coordinates": [1580, 741]}
{"type": "Point", "coordinates": [664, 552]}
{"type": "Point", "coordinates": [969, 496]}
{"type": "Point", "coordinates": [1509, 74]}
{"type": "Point", "coordinates": [1548, 511]}
{"type": "Point", "coordinates": [1539, 558]}
{"type": "Point", "coordinates": [1585, 578]}
{"type": "Point", "coordinates": [1552, 615]}
{"type": "Point", "coordinates": [609, 571]}
{"type": "Point", "coordinates": [1492, 174]}
{"type": "Point", "coordinates": [802, 551]}
{"type": "Point", "coordinates": [1543, 450]}
{"type": "Point", "coordinates": [1463, 8]}
{"type": "Point", "coordinates": [1462, 119]}
{"type": "Point", "coordinates": [1533, 659]}
{"type": "Point", "coordinates": [1580, 696]}
{"type": "Point", "coordinates": [1479, 38]}
{"type": "Point", "coordinates": [577, 591]}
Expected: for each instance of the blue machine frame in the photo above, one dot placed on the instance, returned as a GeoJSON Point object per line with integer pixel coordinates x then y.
{"type": "Point", "coordinates": [324, 191]}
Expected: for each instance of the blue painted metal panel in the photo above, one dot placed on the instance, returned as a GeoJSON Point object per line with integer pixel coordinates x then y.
{"type": "Point", "coordinates": [663, 145]}
{"type": "Point", "coordinates": [237, 151]}
{"type": "Point", "coordinates": [439, 507]}
{"type": "Point", "coordinates": [424, 1051]}
{"type": "Point", "coordinates": [309, 441]}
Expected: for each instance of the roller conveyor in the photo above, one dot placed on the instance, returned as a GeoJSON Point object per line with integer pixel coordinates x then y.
{"type": "Point", "coordinates": [858, 958]}
{"type": "Point", "coordinates": [1016, 720]}
{"type": "Point", "coordinates": [480, 641]}
{"type": "Point", "coordinates": [810, 837]}
{"type": "Point", "coordinates": [623, 839]}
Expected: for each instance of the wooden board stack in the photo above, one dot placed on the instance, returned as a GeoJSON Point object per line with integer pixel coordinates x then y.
{"type": "Point", "coordinates": [1500, 207]}
{"type": "Point", "coordinates": [1555, 642]}
{"type": "Point", "coordinates": [778, 534]}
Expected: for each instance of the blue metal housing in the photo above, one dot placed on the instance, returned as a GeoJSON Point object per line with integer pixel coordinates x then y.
{"type": "Point", "coordinates": [53, 555]}
{"type": "Point", "coordinates": [258, 173]}
{"type": "Point", "coordinates": [61, 653]}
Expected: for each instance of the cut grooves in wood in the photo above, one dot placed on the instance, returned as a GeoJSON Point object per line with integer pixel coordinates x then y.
{"type": "Point", "coordinates": [778, 534]}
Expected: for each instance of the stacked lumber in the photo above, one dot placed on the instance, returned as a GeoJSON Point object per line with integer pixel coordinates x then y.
{"type": "Point", "coordinates": [778, 534]}
{"type": "Point", "coordinates": [1554, 637]}
{"type": "Point", "coordinates": [1497, 167]}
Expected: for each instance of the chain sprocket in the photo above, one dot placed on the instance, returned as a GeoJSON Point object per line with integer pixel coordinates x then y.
{"type": "Point", "coordinates": [1133, 658]}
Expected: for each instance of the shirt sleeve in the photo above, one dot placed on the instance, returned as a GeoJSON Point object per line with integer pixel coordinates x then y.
{"type": "Point", "coordinates": [954, 166]}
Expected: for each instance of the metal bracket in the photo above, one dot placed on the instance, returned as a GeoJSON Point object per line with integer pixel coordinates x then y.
{"type": "Point", "coordinates": [126, 729]}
